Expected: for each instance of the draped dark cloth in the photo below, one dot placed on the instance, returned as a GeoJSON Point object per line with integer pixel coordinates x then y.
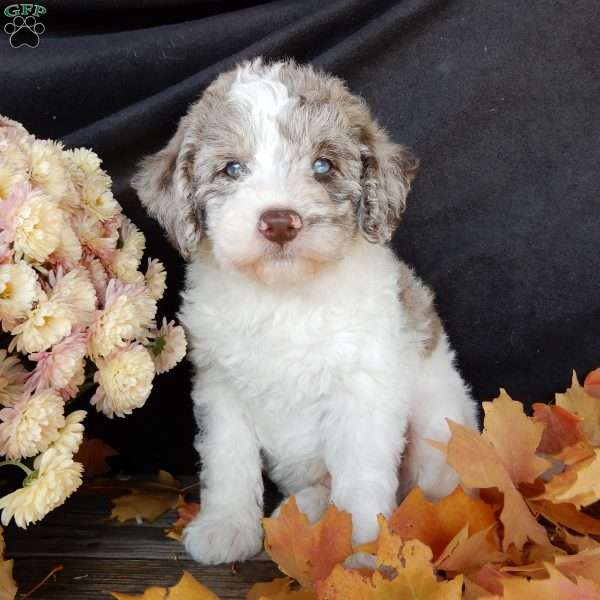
{"type": "Point", "coordinates": [500, 100]}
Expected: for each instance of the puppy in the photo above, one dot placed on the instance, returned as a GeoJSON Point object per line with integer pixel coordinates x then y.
{"type": "Point", "coordinates": [319, 356]}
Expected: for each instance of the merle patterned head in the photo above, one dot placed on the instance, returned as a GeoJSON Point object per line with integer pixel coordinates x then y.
{"type": "Point", "coordinates": [276, 171]}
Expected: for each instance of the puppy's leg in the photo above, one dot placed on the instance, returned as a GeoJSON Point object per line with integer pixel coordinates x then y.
{"type": "Point", "coordinates": [364, 436]}
{"type": "Point", "coordinates": [440, 394]}
{"type": "Point", "coordinates": [228, 527]}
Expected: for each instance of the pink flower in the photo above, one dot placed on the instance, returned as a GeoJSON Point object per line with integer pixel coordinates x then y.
{"type": "Point", "coordinates": [62, 368]}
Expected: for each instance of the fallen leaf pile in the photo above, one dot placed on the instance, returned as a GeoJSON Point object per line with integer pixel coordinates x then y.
{"type": "Point", "coordinates": [522, 524]}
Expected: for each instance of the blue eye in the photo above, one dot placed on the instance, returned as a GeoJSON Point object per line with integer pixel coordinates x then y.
{"type": "Point", "coordinates": [321, 166]}
{"type": "Point", "coordinates": [233, 169]}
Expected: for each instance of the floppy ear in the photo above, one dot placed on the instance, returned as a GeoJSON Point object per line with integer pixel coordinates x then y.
{"type": "Point", "coordinates": [164, 185]}
{"type": "Point", "coordinates": [388, 170]}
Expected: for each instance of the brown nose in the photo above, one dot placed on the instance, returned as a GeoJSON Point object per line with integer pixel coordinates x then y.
{"type": "Point", "coordinates": [280, 226]}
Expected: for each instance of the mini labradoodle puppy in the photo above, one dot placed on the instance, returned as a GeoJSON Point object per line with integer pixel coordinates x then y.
{"type": "Point", "coordinates": [319, 356]}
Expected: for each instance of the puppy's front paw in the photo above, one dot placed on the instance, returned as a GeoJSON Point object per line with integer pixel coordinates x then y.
{"type": "Point", "coordinates": [212, 539]}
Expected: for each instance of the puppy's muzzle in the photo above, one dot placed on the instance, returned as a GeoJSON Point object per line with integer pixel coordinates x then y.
{"type": "Point", "coordinates": [280, 226]}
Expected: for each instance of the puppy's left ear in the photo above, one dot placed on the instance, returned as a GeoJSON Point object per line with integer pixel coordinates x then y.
{"type": "Point", "coordinates": [388, 170]}
{"type": "Point", "coordinates": [164, 185]}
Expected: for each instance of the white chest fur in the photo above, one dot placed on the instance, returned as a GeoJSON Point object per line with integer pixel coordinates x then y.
{"type": "Point", "coordinates": [291, 352]}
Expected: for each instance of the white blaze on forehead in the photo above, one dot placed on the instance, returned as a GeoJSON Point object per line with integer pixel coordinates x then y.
{"type": "Point", "coordinates": [265, 98]}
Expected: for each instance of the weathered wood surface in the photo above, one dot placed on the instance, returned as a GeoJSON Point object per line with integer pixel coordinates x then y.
{"type": "Point", "coordinates": [101, 555]}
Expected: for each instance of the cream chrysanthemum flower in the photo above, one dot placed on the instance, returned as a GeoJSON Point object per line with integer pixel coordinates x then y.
{"type": "Point", "coordinates": [38, 227]}
{"type": "Point", "coordinates": [128, 314]}
{"type": "Point", "coordinates": [71, 435]}
{"type": "Point", "coordinates": [46, 324]}
{"type": "Point", "coordinates": [31, 425]}
{"type": "Point", "coordinates": [72, 301]}
{"type": "Point", "coordinates": [18, 291]}
{"type": "Point", "coordinates": [156, 278]}
{"type": "Point", "coordinates": [57, 476]}
{"type": "Point", "coordinates": [9, 178]}
{"type": "Point", "coordinates": [75, 293]}
{"type": "Point", "coordinates": [62, 369]}
{"type": "Point", "coordinates": [94, 238]}
{"type": "Point", "coordinates": [169, 346]}
{"type": "Point", "coordinates": [87, 161]}
{"type": "Point", "coordinates": [48, 170]}
{"type": "Point", "coordinates": [125, 381]}
{"type": "Point", "coordinates": [12, 377]}
{"type": "Point", "coordinates": [68, 252]}
{"type": "Point", "coordinates": [127, 258]}
{"type": "Point", "coordinates": [98, 198]}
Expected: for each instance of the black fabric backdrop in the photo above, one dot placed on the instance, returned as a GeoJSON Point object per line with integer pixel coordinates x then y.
{"type": "Point", "coordinates": [499, 99]}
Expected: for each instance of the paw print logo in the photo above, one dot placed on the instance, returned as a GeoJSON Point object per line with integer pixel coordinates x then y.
{"type": "Point", "coordinates": [24, 31]}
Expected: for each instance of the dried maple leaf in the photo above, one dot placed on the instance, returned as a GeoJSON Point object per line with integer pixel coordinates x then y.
{"type": "Point", "coordinates": [187, 588]}
{"type": "Point", "coordinates": [147, 500]}
{"type": "Point", "coordinates": [578, 484]}
{"type": "Point", "coordinates": [489, 578]}
{"type": "Point", "coordinates": [515, 438]}
{"type": "Point", "coordinates": [466, 553]}
{"type": "Point", "coordinates": [92, 454]}
{"type": "Point", "coordinates": [186, 512]}
{"type": "Point", "coordinates": [583, 564]}
{"type": "Point", "coordinates": [566, 514]}
{"type": "Point", "coordinates": [279, 589]}
{"type": "Point", "coordinates": [576, 543]}
{"type": "Point", "coordinates": [578, 401]}
{"type": "Point", "coordinates": [556, 587]}
{"type": "Point", "coordinates": [414, 575]}
{"type": "Point", "coordinates": [562, 428]}
{"type": "Point", "coordinates": [436, 524]}
{"type": "Point", "coordinates": [472, 591]}
{"type": "Point", "coordinates": [591, 383]}
{"type": "Point", "coordinates": [479, 465]}
{"type": "Point", "coordinates": [308, 552]}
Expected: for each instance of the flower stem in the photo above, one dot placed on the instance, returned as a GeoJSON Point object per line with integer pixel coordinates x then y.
{"type": "Point", "coordinates": [19, 464]}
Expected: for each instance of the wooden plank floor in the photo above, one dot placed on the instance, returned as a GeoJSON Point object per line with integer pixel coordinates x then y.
{"type": "Point", "coordinates": [100, 555]}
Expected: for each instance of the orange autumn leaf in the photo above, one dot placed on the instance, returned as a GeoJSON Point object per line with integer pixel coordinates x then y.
{"type": "Point", "coordinates": [435, 524]}
{"type": "Point", "coordinates": [187, 588]}
{"type": "Point", "coordinates": [414, 575]}
{"type": "Point", "coordinates": [472, 591]}
{"type": "Point", "coordinates": [583, 564]}
{"type": "Point", "coordinates": [578, 484]}
{"type": "Point", "coordinates": [92, 454]}
{"type": "Point", "coordinates": [186, 512]}
{"type": "Point", "coordinates": [489, 578]}
{"type": "Point", "coordinates": [308, 552]}
{"type": "Point", "coordinates": [562, 428]}
{"type": "Point", "coordinates": [346, 584]}
{"type": "Point", "coordinates": [479, 465]}
{"type": "Point", "coordinates": [566, 514]}
{"type": "Point", "coordinates": [466, 553]}
{"type": "Point", "coordinates": [515, 438]}
{"type": "Point", "coordinates": [147, 500]}
{"type": "Point", "coordinates": [279, 589]}
{"type": "Point", "coordinates": [577, 400]}
{"type": "Point", "coordinates": [555, 587]}
{"type": "Point", "coordinates": [591, 383]}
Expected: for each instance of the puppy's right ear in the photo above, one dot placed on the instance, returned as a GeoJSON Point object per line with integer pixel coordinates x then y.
{"type": "Point", "coordinates": [164, 185]}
